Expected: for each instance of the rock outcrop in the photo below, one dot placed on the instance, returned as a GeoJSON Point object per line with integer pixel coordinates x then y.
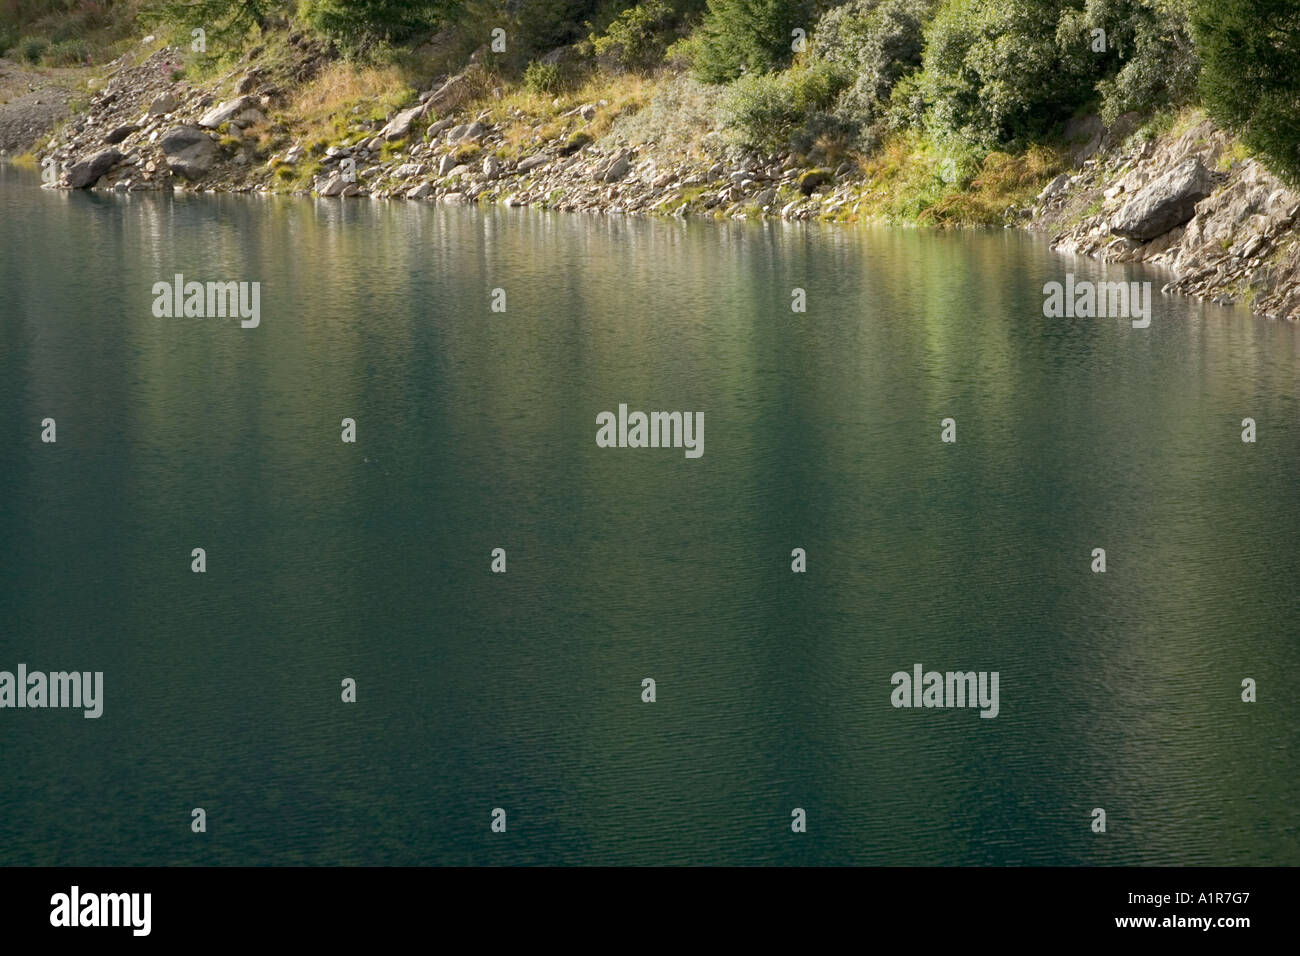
{"type": "Point", "coordinates": [1224, 227]}
{"type": "Point", "coordinates": [86, 172]}
{"type": "Point", "coordinates": [1165, 202]}
{"type": "Point", "coordinates": [189, 150]}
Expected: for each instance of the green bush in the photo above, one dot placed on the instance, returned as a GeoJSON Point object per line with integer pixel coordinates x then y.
{"type": "Point", "coordinates": [542, 77]}
{"type": "Point", "coordinates": [639, 35]}
{"type": "Point", "coordinates": [1249, 80]}
{"type": "Point", "coordinates": [775, 110]}
{"type": "Point", "coordinates": [1149, 62]}
{"type": "Point", "coordinates": [358, 22]}
{"type": "Point", "coordinates": [993, 73]}
{"type": "Point", "coordinates": [225, 22]}
{"type": "Point", "coordinates": [879, 42]}
{"type": "Point", "coordinates": [32, 49]}
{"type": "Point", "coordinates": [67, 53]}
{"type": "Point", "coordinates": [746, 36]}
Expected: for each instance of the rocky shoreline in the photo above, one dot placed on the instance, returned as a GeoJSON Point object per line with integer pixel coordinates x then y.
{"type": "Point", "coordinates": [1225, 227]}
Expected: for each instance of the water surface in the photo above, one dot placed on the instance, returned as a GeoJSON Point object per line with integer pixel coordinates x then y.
{"type": "Point", "coordinates": [476, 430]}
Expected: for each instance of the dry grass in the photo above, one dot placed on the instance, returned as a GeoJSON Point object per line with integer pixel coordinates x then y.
{"type": "Point", "coordinates": [910, 179]}
{"type": "Point", "coordinates": [625, 95]}
{"type": "Point", "coordinates": [343, 92]}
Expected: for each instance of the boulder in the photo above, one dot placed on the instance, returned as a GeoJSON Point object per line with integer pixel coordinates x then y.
{"type": "Point", "coordinates": [1054, 187]}
{"type": "Point", "coordinates": [334, 186]}
{"type": "Point", "coordinates": [1165, 203]}
{"type": "Point", "coordinates": [189, 151]}
{"type": "Point", "coordinates": [532, 162]}
{"type": "Point", "coordinates": [436, 128]}
{"type": "Point", "coordinates": [454, 92]}
{"type": "Point", "coordinates": [810, 181]}
{"type": "Point", "coordinates": [87, 172]}
{"type": "Point", "coordinates": [163, 103]}
{"type": "Point", "coordinates": [616, 170]}
{"type": "Point", "coordinates": [400, 125]}
{"type": "Point", "coordinates": [466, 132]}
{"type": "Point", "coordinates": [228, 111]}
{"type": "Point", "coordinates": [120, 133]}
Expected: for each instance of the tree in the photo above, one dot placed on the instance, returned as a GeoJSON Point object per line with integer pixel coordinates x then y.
{"type": "Point", "coordinates": [747, 36]}
{"type": "Point", "coordinates": [1249, 80]}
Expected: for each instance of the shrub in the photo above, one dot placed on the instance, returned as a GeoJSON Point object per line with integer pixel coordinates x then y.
{"type": "Point", "coordinates": [32, 49]}
{"type": "Point", "coordinates": [542, 77]}
{"type": "Point", "coordinates": [66, 53]}
{"type": "Point", "coordinates": [1249, 50]}
{"type": "Point", "coordinates": [354, 22]}
{"type": "Point", "coordinates": [993, 73]}
{"type": "Point", "coordinates": [638, 37]}
{"type": "Point", "coordinates": [772, 111]}
{"type": "Point", "coordinates": [746, 36]}
{"type": "Point", "coordinates": [1149, 62]}
{"type": "Point", "coordinates": [879, 42]}
{"type": "Point", "coordinates": [228, 22]}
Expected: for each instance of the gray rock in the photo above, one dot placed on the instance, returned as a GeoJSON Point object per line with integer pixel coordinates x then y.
{"type": "Point", "coordinates": [189, 151]}
{"type": "Point", "coordinates": [616, 170]}
{"type": "Point", "coordinates": [491, 167]}
{"type": "Point", "coordinates": [532, 162]}
{"type": "Point", "coordinates": [446, 164]}
{"type": "Point", "coordinates": [400, 125]}
{"type": "Point", "coordinates": [120, 133]}
{"type": "Point", "coordinates": [466, 132]}
{"type": "Point", "coordinates": [1054, 187]}
{"type": "Point", "coordinates": [421, 191]}
{"type": "Point", "coordinates": [87, 172]}
{"type": "Point", "coordinates": [334, 186]}
{"type": "Point", "coordinates": [436, 128]}
{"type": "Point", "coordinates": [1084, 136]}
{"type": "Point", "coordinates": [454, 92]}
{"type": "Point", "coordinates": [228, 111]}
{"type": "Point", "coordinates": [1165, 203]}
{"type": "Point", "coordinates": [163, 103]}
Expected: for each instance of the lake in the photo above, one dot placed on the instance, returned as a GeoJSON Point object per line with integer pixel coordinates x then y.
{"type": "Point", "coordinates": [476, 430]}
